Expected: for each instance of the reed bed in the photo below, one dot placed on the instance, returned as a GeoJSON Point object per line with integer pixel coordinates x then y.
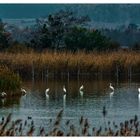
{"type": "Point", "coordinates": [37, 64]}
{"type": "Point", "coordinates": [19, 127]}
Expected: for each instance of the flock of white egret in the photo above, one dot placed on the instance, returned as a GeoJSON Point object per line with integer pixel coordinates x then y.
{"type": "Point", "coordinates": [80, 90]}
{"type": "Point", "coordinates": [24, 92]}
{"type": "Point", "coordinates": [64, 90]}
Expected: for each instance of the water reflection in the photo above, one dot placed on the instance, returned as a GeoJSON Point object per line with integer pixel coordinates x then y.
{"type": "Point", "coordinates": [81, 93]}
{"type": "Point", "coordinates": [139, 99]}
{"type": "Point", "coordinates": [3, 100]}
{"type": "Point", "coordinates": [9, 102]}
{"type": "Point", "coordinates": [111, 94]}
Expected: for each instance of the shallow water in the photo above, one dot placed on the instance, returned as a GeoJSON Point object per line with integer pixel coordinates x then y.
{"type": "Point", "coordinates": [121, 105]}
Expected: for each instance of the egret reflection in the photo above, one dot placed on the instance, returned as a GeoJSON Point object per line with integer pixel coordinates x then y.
{"type": "Point", "coordinates": [3, 100]}
{"type": "Point", "coordinates": [111, 94]}
{"type": "Point", "coordinates": [81, 93]}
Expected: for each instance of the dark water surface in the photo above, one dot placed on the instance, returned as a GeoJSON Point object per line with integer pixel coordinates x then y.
{"type": "Point", "coordinates": [121, 105]}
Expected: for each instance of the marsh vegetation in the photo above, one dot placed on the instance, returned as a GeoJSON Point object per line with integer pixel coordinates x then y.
{"type": "Point", "coordinates": [10, 82]}
{"type": "Point", "coordinates": [58, 63]}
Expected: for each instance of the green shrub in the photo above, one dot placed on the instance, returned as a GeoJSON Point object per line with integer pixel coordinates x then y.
{"type": "Point", "coordinates": [9, 81]}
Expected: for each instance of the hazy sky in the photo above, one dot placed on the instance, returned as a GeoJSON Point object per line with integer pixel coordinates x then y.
{"type": "Point", "coordinates": [27, 10]}
{"type": "Point", "coordinates": [97, 12]}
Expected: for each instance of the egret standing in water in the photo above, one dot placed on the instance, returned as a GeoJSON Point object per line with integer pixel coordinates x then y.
{"type": "Point", "coordinates": [24, 92]}
{"type": "Point", "coordinates": [139, 92]}
{"type": "Point", "coordinates": [3, 95]}
{"type": "Point", "coordinates": [111, 87]}
{"type": "Point", "coordinates": [64, 98]}
{"type": "Point", "coordinates": [65, 91]}
{"type": "Point", "coordinates": [81, 90]}
{"type": "Point", "coordinates": [46, 93]}
{"type": "Point", "coordinates": [139, 96]}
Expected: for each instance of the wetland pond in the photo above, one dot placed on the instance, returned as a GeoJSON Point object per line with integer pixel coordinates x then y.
{"type": "Point", "coordinates": [122, 105]}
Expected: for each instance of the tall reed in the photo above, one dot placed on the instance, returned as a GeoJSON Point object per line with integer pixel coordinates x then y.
{"type": "Point", "coordinates": [63, 62]}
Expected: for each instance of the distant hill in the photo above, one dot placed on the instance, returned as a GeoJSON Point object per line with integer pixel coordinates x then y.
{"type": "Point", "coordinates": [111, 13]}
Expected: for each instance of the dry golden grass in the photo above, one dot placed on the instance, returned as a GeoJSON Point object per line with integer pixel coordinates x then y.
{"type": "Point", "coordinates": [72, 62]}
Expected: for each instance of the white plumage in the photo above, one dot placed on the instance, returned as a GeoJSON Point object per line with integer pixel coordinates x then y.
{"type": "Point", "coordinates": [46, 93]}
{"type": "Point", "coordinates": [81, 88]}
{"type": "Point", "coordinates": [139, 92]}
{"type": "Point", "coordinates": [64, 89]}
{"type": "Point", "coordinates": [23, 91]}
{"type": "Point", "coordinates": [3, 94]}
{"type": "Point", "coordinates": [111, 87]}
{"type": "Point", "coordinates": [64, 96]}
{"type": "Point", "coordinates": [47, 90]}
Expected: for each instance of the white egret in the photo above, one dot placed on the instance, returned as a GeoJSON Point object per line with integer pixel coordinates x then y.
{"type": "Point", "coordinates": [23, 91]}
{"type": "Point", "coordinates": [111, 87]}
{"type": "Point", "coordinates": [64, 89]}
{"type": "Point", "coordinates": [139, 92]}
{"type": "Point", "coordinates": [46, 93]}
{"type": "Point", "coordinates": [64, 96]}
{"type": "Point", "coordinates": [81, 88]}
{"type": "Point", "coordinates": [3, 94]}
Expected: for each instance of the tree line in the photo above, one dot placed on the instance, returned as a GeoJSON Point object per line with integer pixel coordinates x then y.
{"type": "Point", "coordinates": [63, 30]}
